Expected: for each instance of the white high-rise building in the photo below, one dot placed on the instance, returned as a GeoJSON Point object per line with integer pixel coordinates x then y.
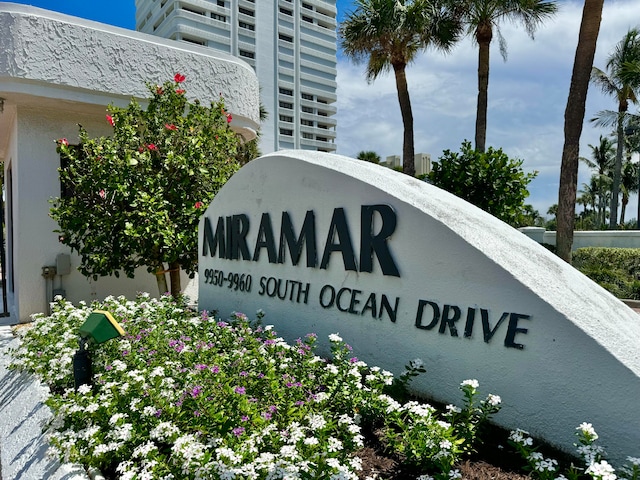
{"type": "Point", "coordinates": [291, 44]}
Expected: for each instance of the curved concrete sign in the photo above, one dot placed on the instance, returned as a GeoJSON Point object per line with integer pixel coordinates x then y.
{"type": "Point", "coordinates": [402, 270]}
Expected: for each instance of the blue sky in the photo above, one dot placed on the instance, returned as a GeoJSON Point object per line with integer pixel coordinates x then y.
{"type": "Point", "coordinates": [527, 93]}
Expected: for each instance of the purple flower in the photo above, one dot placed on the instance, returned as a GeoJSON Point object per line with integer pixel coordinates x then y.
{"type": "Point", "coordinates": [238, 431]}
{"type": "Point", "coordinates": [201, 366]}
{"type": "Point", "coordinates": [243, 374]}
{"type": "Point", "coordinates": [196, 413]}
{"type": "Point", "coordinates": [299, 403]}
{"type": "Point", "coordinates": [244, 418]}
{"type": "Point", "coordinates": [267, 416]}
{"type": "Point", "coordinates": [215, 369]}
{"type": "Point", "coordinates": [195, 391]}
{"type": "Point", "coordinates": [353, 359]}
{"type": "Point", "coordinates": [158, 413]}
{"type": "Point", "coordinates": [240, 390]}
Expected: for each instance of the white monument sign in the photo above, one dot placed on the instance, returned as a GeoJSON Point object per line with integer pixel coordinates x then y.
{"type": "Point", "coordinates": [403, 270]}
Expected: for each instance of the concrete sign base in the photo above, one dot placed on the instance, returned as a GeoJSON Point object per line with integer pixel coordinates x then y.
{"type": "Point", "coordinates": [402, 270]}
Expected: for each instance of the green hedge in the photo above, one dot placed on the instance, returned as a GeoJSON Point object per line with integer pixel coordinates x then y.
{"type": "Point", "coordinates": [616, 269]}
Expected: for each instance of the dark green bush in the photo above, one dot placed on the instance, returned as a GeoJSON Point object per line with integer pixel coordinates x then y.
{"type": "Point", "coordinates": [616, 269]}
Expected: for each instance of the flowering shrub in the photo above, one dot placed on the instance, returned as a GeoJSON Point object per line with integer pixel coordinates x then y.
{"type": "Point", "coordinates": [134, 198]}
{"type": "Point", "coordinates": [591, 454]}
{"type": "Point", "coordinates": [192, 396]}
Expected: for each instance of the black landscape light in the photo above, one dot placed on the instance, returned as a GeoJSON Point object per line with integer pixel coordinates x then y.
{"type": "Point", "coordinates": [99, 327]}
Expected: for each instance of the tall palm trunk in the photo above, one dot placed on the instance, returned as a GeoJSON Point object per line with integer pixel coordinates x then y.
{"type": "Point", "coordinates": [617, 171]}
{"type": "Point", "coordinates": [625, 202]}
{"type": "Point", "coordinates": [573, 120]}
{"type": "Point", "coordinates": [408, 165]}
{"type": "Point", "coordinates": [483, 37]}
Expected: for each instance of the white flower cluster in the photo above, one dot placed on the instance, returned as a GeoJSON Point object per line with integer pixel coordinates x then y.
{"type": "Point", "coordinates": [541, 464]}
{"type": "Point", "coordinates": [521, 436]}
{"type": "Point", "coordinates": [601, 471]}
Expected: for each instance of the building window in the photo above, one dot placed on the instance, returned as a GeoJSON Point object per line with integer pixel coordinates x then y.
{"type": "Point", "coordinates": [307, 6]}
{"type": "Point", "coordinates": [286, 118]}
{"type": "Point", "coordinates": [220, 18]}
{"type": "Point", "coordinates": [307, 19]}
{"type": "Point", "coordinates": [308, 123]}
{"type": "Point", "coordinates": [307, 109]}
{"type": "Point", "coordinates": [221, 3]}
{"type": "Point", "coordinates": [286, 105]}
{"type": "Point", "coordinates": [248, 26]}
{"type": "Point", "coordinates": [246, 11]}
{"type": "Point", "coordinates": [286, 131]}
{"type": "Point", "coordinates": [286, 91]}
{"type": "Point", "coordinates": [308, 136]}
{"type": "Point", "coordinates": [247, 54]}
{"type": "Point", "coordinates": [286, 11]}
{"type": "Point", "coordinates": [286, 38]}
{"type": "Point", "coordinates": [322, 139]}
{"type": "Point", "coordinates": [307, 96]}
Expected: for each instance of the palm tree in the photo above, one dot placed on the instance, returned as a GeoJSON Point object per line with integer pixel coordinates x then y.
{"type": "Point", "coordinates": [573, 119]}
{"type": "Point", "coordinates": [628, 184]}
{"type": "Point", "coordinates": [389, 34]}
{"type": "Point", "coordinates": [624, 88]}
{"type": "Point", "coordinates": [369, 156]}
{"type": "Point", "coordinates": [481, 18]}
{"type": "Point", "coordinates": [603, 160]}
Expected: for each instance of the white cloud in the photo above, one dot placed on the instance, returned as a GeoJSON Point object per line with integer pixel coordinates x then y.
{"type": "Point", "coordinates": [527, 97]}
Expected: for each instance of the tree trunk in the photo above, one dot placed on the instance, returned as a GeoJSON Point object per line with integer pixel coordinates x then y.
{"type": "Point", "coordinates": [573, 120]}
{"type": "Point", "coordinates": [484, 34]}
{"type": "Point", "coordinates": [161, 279]}
{"type": "Point", "coordinates": [617, 171]}
{"type": "Point", "coordinates": [623, 210]}
{"type": "Point", "coordinates": [408, 165]}
{"type": "Point", "coordinates": [174, 275]}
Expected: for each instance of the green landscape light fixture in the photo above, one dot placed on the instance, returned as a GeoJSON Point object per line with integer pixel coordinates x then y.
{"type": "Point", "coordinates": [98, 328]}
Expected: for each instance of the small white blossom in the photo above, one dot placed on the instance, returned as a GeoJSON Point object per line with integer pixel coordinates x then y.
{"type": "Point", "coordinates": [587, 430]}
{"type": "Point", "coordinates": [334, 337]}
{"type": "Point", "coordinates": [472, 383]}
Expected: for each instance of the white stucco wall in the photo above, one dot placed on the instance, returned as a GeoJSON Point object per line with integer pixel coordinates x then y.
{"type": "Point", "coordinates": [68, 58]}
{"type": "Point", "coordinates": [58, 71]}
{"type": "Point", "coordinates": [588, 238]}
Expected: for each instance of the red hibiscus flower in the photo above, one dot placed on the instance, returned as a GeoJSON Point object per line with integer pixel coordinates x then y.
{"type": "Point", "coordinates": [229, 117]}
{"type": "Point", "coordinates": [179, 78]}
{"type": "Point", "coordinates": [102, 194]}
{"type": "Point", "coordinates": [152, 146]}
{"type": "Point", "coordinates": [180, 91]}
{"type": "Point", "coordinates": [64, 142]}
{"type": "Point", "coordinates": [110, 120]}
{"type": "Point", "coordinates": [199, 205]}
{"type": "Point", "coordinates": [170, 126]}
